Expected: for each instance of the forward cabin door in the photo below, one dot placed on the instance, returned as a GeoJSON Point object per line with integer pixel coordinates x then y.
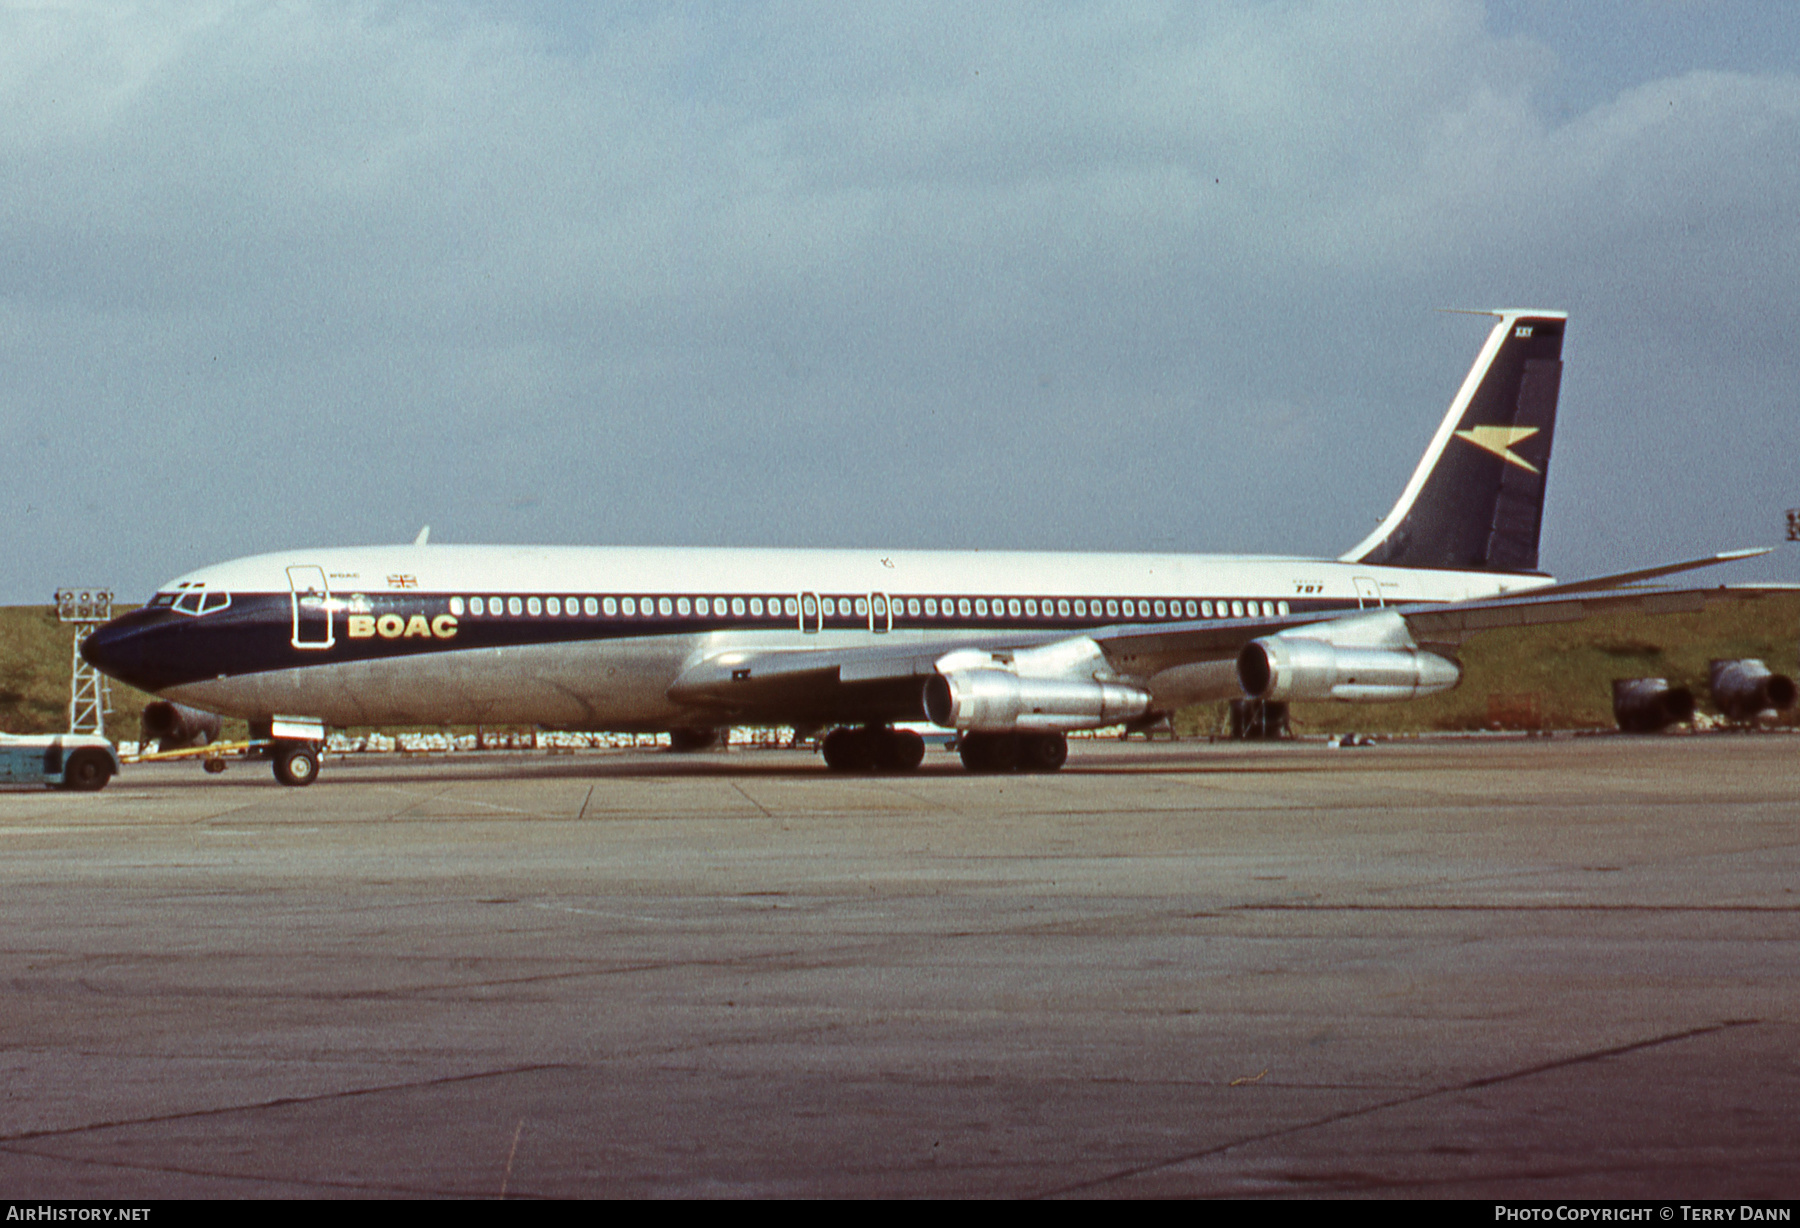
{"type": "Point", "coordinates": [881, 613]}
{"type": "Point", "coordinates": [1368, 593]}
{"type": "Point", "coordinates": [312, 603]}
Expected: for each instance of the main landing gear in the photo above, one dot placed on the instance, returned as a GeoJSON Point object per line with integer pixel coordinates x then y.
{"type": "Point", "coordinates": [873, 748]}
{"type": "Point", "coordinates": [1013, 752]}
{"type": "Point", "coordinates": [688, 741]}
{"type": "Point", "coordinates": [876, 749]}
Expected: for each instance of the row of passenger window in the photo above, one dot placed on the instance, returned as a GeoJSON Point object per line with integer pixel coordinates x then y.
{"type": "Point", "coordinates": [859, 607]}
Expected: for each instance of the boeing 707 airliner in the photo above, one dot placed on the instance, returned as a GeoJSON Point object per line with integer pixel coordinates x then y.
{"type": "Point", "coordinates": [1011, 650]}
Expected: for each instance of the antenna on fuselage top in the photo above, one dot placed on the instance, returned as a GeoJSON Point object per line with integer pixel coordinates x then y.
{"type": "Point", "coordinates": [423, 537]}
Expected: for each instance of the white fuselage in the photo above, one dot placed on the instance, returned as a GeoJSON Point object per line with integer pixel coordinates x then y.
{"type": "Point", "coordinates": [595, 637]}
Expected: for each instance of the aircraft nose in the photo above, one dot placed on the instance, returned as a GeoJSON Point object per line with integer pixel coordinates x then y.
{"type": "Point", "coordinates": [121, 649]}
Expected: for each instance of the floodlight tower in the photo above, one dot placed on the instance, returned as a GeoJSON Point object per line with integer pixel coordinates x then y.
{"type": "Point", "coordinates": [90, 694]}
{"type": "Point", "coordinates": [1793, 518]}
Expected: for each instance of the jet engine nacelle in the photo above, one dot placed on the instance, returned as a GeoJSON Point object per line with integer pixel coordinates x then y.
{"type": "Point", "coordinates": [1282, 668]}
{"type": "Point", "coordinates": [1650, 705]}
{"type": "Point", "coordinates": [1741, 689]}
{"type": "Point", "coordinates": [998, 701]}
{"type": "Point", "coordinates": [173, 726]}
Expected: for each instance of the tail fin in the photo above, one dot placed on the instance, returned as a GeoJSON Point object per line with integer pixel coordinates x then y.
{"type": "Point", "coordinates": [1476, 501]}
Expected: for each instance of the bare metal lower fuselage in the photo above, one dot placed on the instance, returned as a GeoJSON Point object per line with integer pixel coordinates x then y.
{"type": "Point", "coordinates": [615, 685]}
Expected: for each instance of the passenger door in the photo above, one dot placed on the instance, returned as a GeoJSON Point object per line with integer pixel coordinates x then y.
{"type": "Point", "coordinates": [312, 604]}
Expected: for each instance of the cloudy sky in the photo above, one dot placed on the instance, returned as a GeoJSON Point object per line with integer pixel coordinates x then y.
{"type": "Point", "coordinates": [1110, 276]}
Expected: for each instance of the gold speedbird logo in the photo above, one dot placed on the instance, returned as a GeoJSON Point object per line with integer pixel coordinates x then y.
{"type": "Point", "coordinates": [1500, 440]}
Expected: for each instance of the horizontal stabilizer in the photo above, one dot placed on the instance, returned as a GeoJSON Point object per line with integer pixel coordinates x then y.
{"type": "Point", "coordinates": [1620, 579]}
{"type": "Point", "coordinates": [1451, 624]}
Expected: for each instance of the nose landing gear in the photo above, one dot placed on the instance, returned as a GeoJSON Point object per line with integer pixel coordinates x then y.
{"type": "Point", "coordinates": [295, 764]}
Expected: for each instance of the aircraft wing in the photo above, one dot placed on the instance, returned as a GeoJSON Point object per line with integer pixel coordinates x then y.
{"type": "Point", "coordinates": [811, 686]}
{"type": "Point", "coordinates": [886, 682]}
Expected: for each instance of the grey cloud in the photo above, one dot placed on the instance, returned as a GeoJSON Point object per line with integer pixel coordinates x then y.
{"type": "Point", "coordinates": [1132, 276]}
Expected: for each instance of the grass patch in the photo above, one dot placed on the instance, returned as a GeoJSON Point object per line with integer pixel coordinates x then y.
{"type": "Point", "coordinates": [1562, 674]}
{"type": "Point", "coordinates": [35, 655]}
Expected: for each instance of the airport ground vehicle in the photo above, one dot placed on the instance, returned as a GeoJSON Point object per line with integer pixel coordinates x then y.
{"type": "Point", "coordinates": [80, 762]}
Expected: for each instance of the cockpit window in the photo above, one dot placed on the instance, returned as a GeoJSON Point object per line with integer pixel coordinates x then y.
{"type": "Point", "coordinates": [197, 599]}
{"type": "Point", "coordinates": [162, 600]}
